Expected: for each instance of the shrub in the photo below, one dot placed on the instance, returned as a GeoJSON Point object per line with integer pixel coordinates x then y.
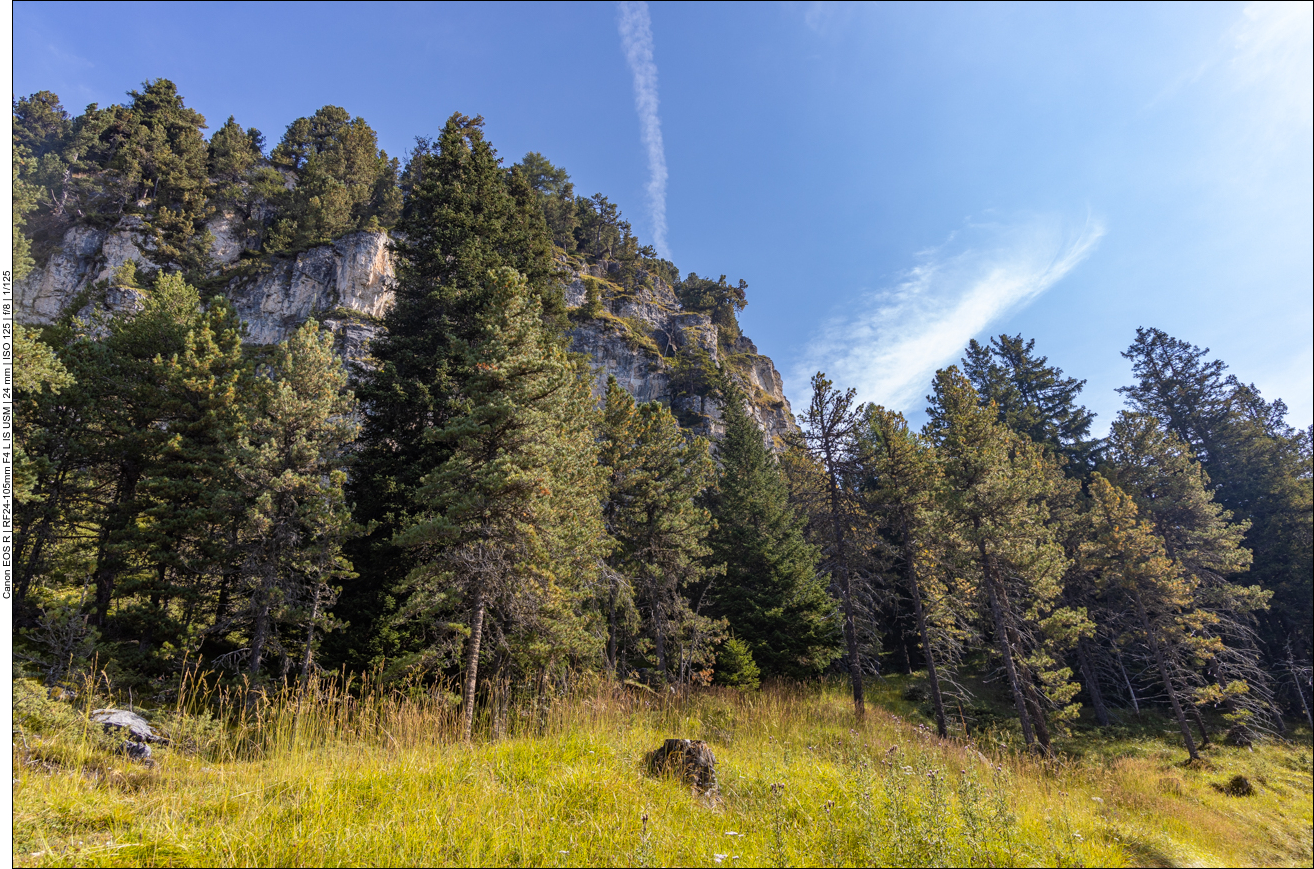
{"type": "Point", "coordinates": [735, 666]}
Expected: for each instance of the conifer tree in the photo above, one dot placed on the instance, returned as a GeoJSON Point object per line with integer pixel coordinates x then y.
{"type": "Point", "coordinates": [771, 595]}
{"type": "Point", "coordinates": [830, 431]}
{"type": "Point", "coordinates": [995, 488]}
{"type": "Point", "coordinates": [290, 463]}
{"type": "Point", "coordinates": [620, 460]}
{"type": "Point", "coordinates": [463, 218]}
{"type": "Point", "coordinates": [163, 161]}
{"type": "Point", "coordinates": [343, 181]}
{"type": "Point", "coordinates": [123, 384]}
{"type": "Point", "coordinates": [23, 200]}
{"type": "Point", "coordinates": [1257, 463]}
{"type": "Point", "coordinates": [1134, 565]}
{"type": "Point", "coordinates": [235, 166]}
{"type": "Point", "coordinates": [904, 494]}
{"type": "Point", "coordinates": [508, 523]}
{"type": "Point", "coordinates": [653, 511]}
{"type": "Point", "coordinates": [1172, 490]}
{"type": "Point", "coordinates": [37, 369]}
{"type": "Point", "coordinates": [1032, 397]}
{"type": "Point", "coordinates": [556, 195]}
{"type": "Point", "coordinates": [189, 490]}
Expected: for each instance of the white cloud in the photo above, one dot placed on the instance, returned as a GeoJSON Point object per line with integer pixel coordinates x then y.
{"type": "Point", "coordinates": [896, 338]}
{"type": "Point", "coordinates": [1274, 59]}
{"type": "Point", "coordinates": [636, 38]}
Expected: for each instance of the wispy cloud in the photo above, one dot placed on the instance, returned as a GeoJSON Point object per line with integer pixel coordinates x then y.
{"type": "Point", "coordinates": [827, 17]}
{"type": "Point", "coordinates": [1274, 58]}
{"type": "Point", "coordinates": [636, 37]}
{"type": "Point", "coordinates": [896, 338]}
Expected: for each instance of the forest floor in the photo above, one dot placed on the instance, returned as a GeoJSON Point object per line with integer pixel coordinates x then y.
{"type": "Point", "coordinates": [379, 780]}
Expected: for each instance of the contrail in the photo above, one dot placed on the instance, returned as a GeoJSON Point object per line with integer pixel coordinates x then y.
{"type": "Point", "coordinates": [636, 37]}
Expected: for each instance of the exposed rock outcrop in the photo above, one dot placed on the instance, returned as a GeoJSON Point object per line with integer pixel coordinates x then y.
{"type": "Point", "coordinates": [136, 731]}
{"type": "Point", "coordinates": [351, 276]}
{"type": "Point", "coordinates": [639, 331]}
{"type": "Point", "coordinates": [347, 286]}
{"type": "Point", "coordinates": [44, 294]}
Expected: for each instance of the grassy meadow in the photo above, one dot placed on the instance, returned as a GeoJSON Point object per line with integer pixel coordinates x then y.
{"type": "Point", "coordinates": [376, 778]}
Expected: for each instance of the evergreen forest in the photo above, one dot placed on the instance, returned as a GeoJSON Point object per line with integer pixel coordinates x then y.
{"type": "Point", "coordinates": [465, 516]}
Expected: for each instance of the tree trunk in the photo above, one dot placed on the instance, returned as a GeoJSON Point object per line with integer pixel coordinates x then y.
{"type": "Point", "coordinates": [1199, 722]}
{"type": "Point", "coordinates": [260, 624]}
{"type": "Point", "coordinates": [228, 571]}
{"type": "Point", "coordinates": [472, 665]}
{"type": "Point", "coordinates": [851, 640]}
{"type": "Point", "coordinates": [309, 655]}
{"type": "Point", "coordinates": [611, 630]}
{"type": "Point", "coordinates": [932, 676]}
{"type": "Point", "coordinates": [1092, 685]}
{"type": "Point", "coordinates": [221, 608]}
{"type": "Point", "coordinates": [1037, 710]}
{"type": "Point", "coordinates": [32, 560]}
{"type": "Point", "coordinates": [1167, 680]}
{"type": "Point", "coordinates": [846, 592]}
{"type": "Point", "coordinates": [1136, 706]}
{"type": "Point", "coordinates": [1300, 692]}
{"type": "Point", "coordinates": [108, 561]}
{"type": "Point", "coordinates": [1006, 648]}
{"type": "Point", "coordinates": [660, 624]}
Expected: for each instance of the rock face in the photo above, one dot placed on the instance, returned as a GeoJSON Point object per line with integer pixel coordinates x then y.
{"type": "Point", "coordinates": [347, 286]}
{"type": "Point", "coordinates": [691, 760]}
{"type": "Point", "coordinates": [639, 331]}
{"type": "Point", "coordinates": [46, 292]}
{"type": "Point", "coordinates": [351, 277]}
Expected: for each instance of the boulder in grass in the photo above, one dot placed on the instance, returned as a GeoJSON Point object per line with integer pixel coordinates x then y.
{"type": "Point", "coordinates": [691, 760]}
{"type": "Point", "coordinates": [129, 724]}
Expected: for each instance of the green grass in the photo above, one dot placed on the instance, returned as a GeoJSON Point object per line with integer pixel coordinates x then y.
{"type": "Point", "coordinates": [323, 779]}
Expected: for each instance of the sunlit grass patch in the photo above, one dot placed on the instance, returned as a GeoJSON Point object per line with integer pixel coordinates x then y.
{"type": "Point", "coordinates": [379, 780]}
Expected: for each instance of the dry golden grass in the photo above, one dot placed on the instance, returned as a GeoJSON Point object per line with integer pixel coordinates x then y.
{"type": "Point", "coordinates": [328, 779]}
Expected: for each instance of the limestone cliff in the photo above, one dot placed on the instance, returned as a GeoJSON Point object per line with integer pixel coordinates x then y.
{"type": "Point", "coordinates": [637, 332]}
{"type": "Point", "coordinates": [347, 286]}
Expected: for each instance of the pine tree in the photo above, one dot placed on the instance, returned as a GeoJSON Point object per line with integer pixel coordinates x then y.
{"type": "Point", "coordinates": [652, 510]}
{"type": "Point", "coordinates": [995, 488]}
{"type": "Point", "coordinates": [464, 218]}
{"type": "Point", "coordinates": [37, 369]}
{"type": "Point", "coordinates": [556, 196]}
{"type": "Point", "coordinates": [1257, 463]}
{"type": "Point", "coordinates": [1132, 563]}
{"type": "Point", "coordinates": [1173, 493]}
{"type": "Point", "coordinates": [123, 387]}
{"type": "Point", "coordinates": [188, 489]}
{"type": "Point", "coordinates": [1032, 397]}
{"type": "Point", "coordinates": [343, 181]}
{"type": "Point", "coordinates": [234, 157]}
{"type": "Point", "coordinates": [829, 435]}
{"type": "Point", "coordinates": [24, 198]}
{"type": "Point", "coordinates": [771, 595]}
{"type": "Point", "coordinates": [291, 466]}
{"type": "Point", "coordinates": [163, 160]}
{"type": "Point", "coordinates": [508, 523]}
{"type": "Point", "coordinates": [904, 494]}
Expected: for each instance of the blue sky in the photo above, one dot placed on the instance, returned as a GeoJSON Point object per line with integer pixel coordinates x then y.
{"type": "Point", "coordinates": [891, 180]}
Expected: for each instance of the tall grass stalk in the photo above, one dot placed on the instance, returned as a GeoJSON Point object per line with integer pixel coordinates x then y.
{"type": "Point", "coordinates": [344, 770]}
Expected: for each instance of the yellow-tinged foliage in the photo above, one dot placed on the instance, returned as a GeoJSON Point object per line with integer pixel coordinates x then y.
{"type": "Point", "coordinates": [381, 780]}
